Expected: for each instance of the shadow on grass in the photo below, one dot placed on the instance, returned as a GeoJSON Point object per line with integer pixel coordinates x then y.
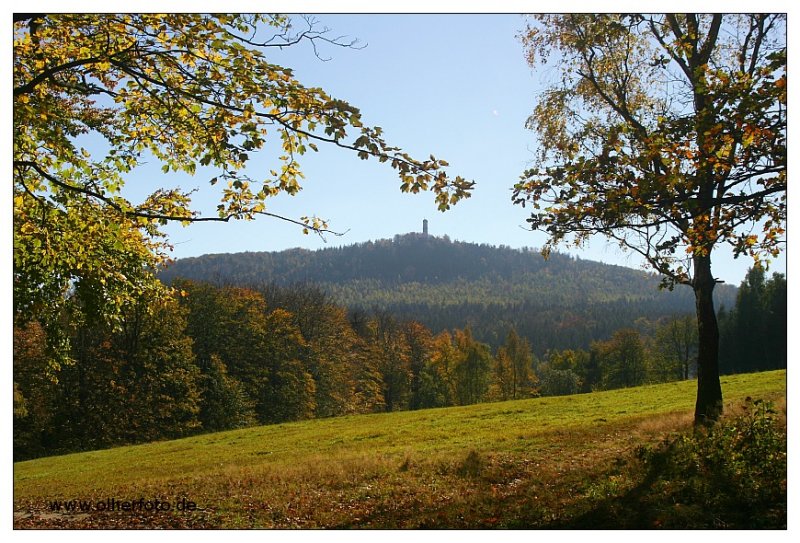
{"type": "Point", "coordinates": [732, 476]}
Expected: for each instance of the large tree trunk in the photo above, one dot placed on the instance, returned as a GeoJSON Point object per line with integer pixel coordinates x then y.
{"type": "Point", "coordinates": [709, 392]}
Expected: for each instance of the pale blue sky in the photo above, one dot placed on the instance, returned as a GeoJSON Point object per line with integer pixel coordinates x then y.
{"type": "Point", "coordinates": [456, 86]}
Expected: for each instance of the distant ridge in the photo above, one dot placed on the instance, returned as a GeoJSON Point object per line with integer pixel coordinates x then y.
{"type": "Point", "coordinates": [558, 303]}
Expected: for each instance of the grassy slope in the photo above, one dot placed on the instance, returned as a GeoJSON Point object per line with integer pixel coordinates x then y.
{"type": "Point", "coordinates": [526, 463]}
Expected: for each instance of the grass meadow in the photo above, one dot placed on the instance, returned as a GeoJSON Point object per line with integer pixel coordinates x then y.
{"type": "Point", "coordinates": [553, 462]}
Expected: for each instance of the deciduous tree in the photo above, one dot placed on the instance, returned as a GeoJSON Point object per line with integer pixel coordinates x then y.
{"type": "Point", "coordinates": [622, 359]}
{"type": "Point", "coordinates": [676, 343]}
{"type": "Point", "coordinates": [518, 352]}
{"type": "Point", "coordinates": [35, 390]}
{"type": "Point", "coordinates": [667, 134]}
{"type": "Point", "coordinates": [473, 368]}
{"type": "Point", "coordinates": [95, 95]}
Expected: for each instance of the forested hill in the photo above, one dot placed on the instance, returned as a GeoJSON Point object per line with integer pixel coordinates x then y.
{"type": "Point", "coordinates": [561, 302]}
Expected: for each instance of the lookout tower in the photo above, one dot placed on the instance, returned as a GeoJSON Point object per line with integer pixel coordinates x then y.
{"type": "Point", "coordinates": [424, 227]}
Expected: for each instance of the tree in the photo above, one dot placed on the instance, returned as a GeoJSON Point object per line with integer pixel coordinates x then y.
{"type": "Point", "coordinates": [502, 387]}
{"type": "Point", "coordinates": [776, 309]}
{"type": "Point", "coordinates": [35, 387]}
{"type": "Point", "coordinates": [666, 134]}
{"type": "Point", "coordinates": [592, 372]}
{"type": "Point", "coordinates": [754, 333]}
{"type": "Point", "coordinates": [473, 368]}
{"type": "Point", "coordinates": [419, 340]}
{"type": "Point", "coordinates": [132, 383]}
{"type": "Point", "coordinates": [229, 332]}
{"type": "Point", "coordinates": [158, 377]}
{"type": "Point", "coordinates": [749, 322]}
{"type": "Point", "coordinates": [332, 361]}
{"type": "Point", "coordinates": [393, 360]}
{"type": "Point", "coordinates": [440, 380]}
{"type": "Point", "coordinates": [561, 372]}
{"type": "Point", "coordinates": [96, 95]}
{"type": "Point", "coordinates": [676, 343]}
{"type": "Point", "coordinates": [224, 403]}
{"type": "Point", "coordinates": [290, 394]}
{"type": "Point", "coordinates": [622, 359]}
{"type": "Point", "coordinates": [520, 376]}
{"type": "Point", "coordinates": [559, 382]}
{"type": "Point", "coordinates": [368, 388]}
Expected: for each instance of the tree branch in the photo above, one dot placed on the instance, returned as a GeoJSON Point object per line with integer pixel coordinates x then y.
{"type": "Point", "coordinates": [50, 72]}
{"type": "Point", "coordinates": [159, 216]}
{"type": "Point", "coordinates": [273, 118]}
{"type": "Point", "coordinates": [310, 34]}
{"type": "Point", "coordinates": [711, 39]}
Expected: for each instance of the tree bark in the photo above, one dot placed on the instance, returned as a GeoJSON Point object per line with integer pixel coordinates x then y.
{"type": "Point", "coordinates": [709, 392]}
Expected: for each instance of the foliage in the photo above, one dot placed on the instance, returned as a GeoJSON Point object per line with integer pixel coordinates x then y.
{"type": "Point", "coordinates": [437, 381]}
{"type": "Point", "coordinates": [502, 378]}
{"type": "Point", "coordinates": [556, 382]}
{"type": "Point", "coordinates": [623, 359]}
{"type": "Point", "coordinates": [419, 340]}
{"type": "Point", "coordinates": [97, 95]}
{"type": "Point", "coordinates": [224, 403]}
{"type": "Point", "coordinates": [332, 362]}
{"type": "Point", "coordinates": [159, 374]}
{"type": "Point", "coordinates": [667, 134]}
{"type": "Point", "coordinates": [260, 348]}
{"type": "Point", "coordinates": [235, 330]}
{"type": "Point", "coordinates": [393, 361]}
{"type": "Point", "coordinates": [559, 303]}
{"type": "Point", "coordinates": [289, 393]}
{"type": "Point", "coordinates": [238, 356]}
{"type": "Point", "coordinates": [514, 367]}
{"type": "Point", "coordinates": [132, 383]}
{"type": "Point", "coordinates": [563, 372]}
{"type": "Point", "coordinates": [34, 390]}
{"type": "Point", "coordinates": [737, 470]}
{"type": "Point", "coordinates": [676, 346]}
{"type": "Point", "coordinates": [419, 268]}
{"type": "Point", "coordinates": [472, 370]}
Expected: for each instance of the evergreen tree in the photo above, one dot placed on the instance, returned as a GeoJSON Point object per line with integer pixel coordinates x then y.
{"type": "Point", "coordinates": [754, 332]}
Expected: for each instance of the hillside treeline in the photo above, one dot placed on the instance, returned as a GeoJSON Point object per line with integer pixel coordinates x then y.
{"type": "Point", "coordinates": [220, 357]}
{"type": "Point", "coordinates": [753, 332]}
{"type": "Point", "coordinates": [555, 303]}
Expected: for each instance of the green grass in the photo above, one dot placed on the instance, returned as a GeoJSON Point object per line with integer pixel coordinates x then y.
{"type": "Point", "coordinates": [527, 463]}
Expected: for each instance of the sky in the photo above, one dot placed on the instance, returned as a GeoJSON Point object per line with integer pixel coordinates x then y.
{"type": "Point", "coordinates": [453, 85]}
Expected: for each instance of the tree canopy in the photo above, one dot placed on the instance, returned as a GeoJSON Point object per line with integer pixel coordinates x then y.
{"type": "Point", "coordinates": [667, 134]}
{"type": "Point", "coordinates": [96, 95]}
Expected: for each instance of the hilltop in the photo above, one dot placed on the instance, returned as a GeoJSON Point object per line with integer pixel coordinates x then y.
{"type": "Point", "coordinates": [561, 302]}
